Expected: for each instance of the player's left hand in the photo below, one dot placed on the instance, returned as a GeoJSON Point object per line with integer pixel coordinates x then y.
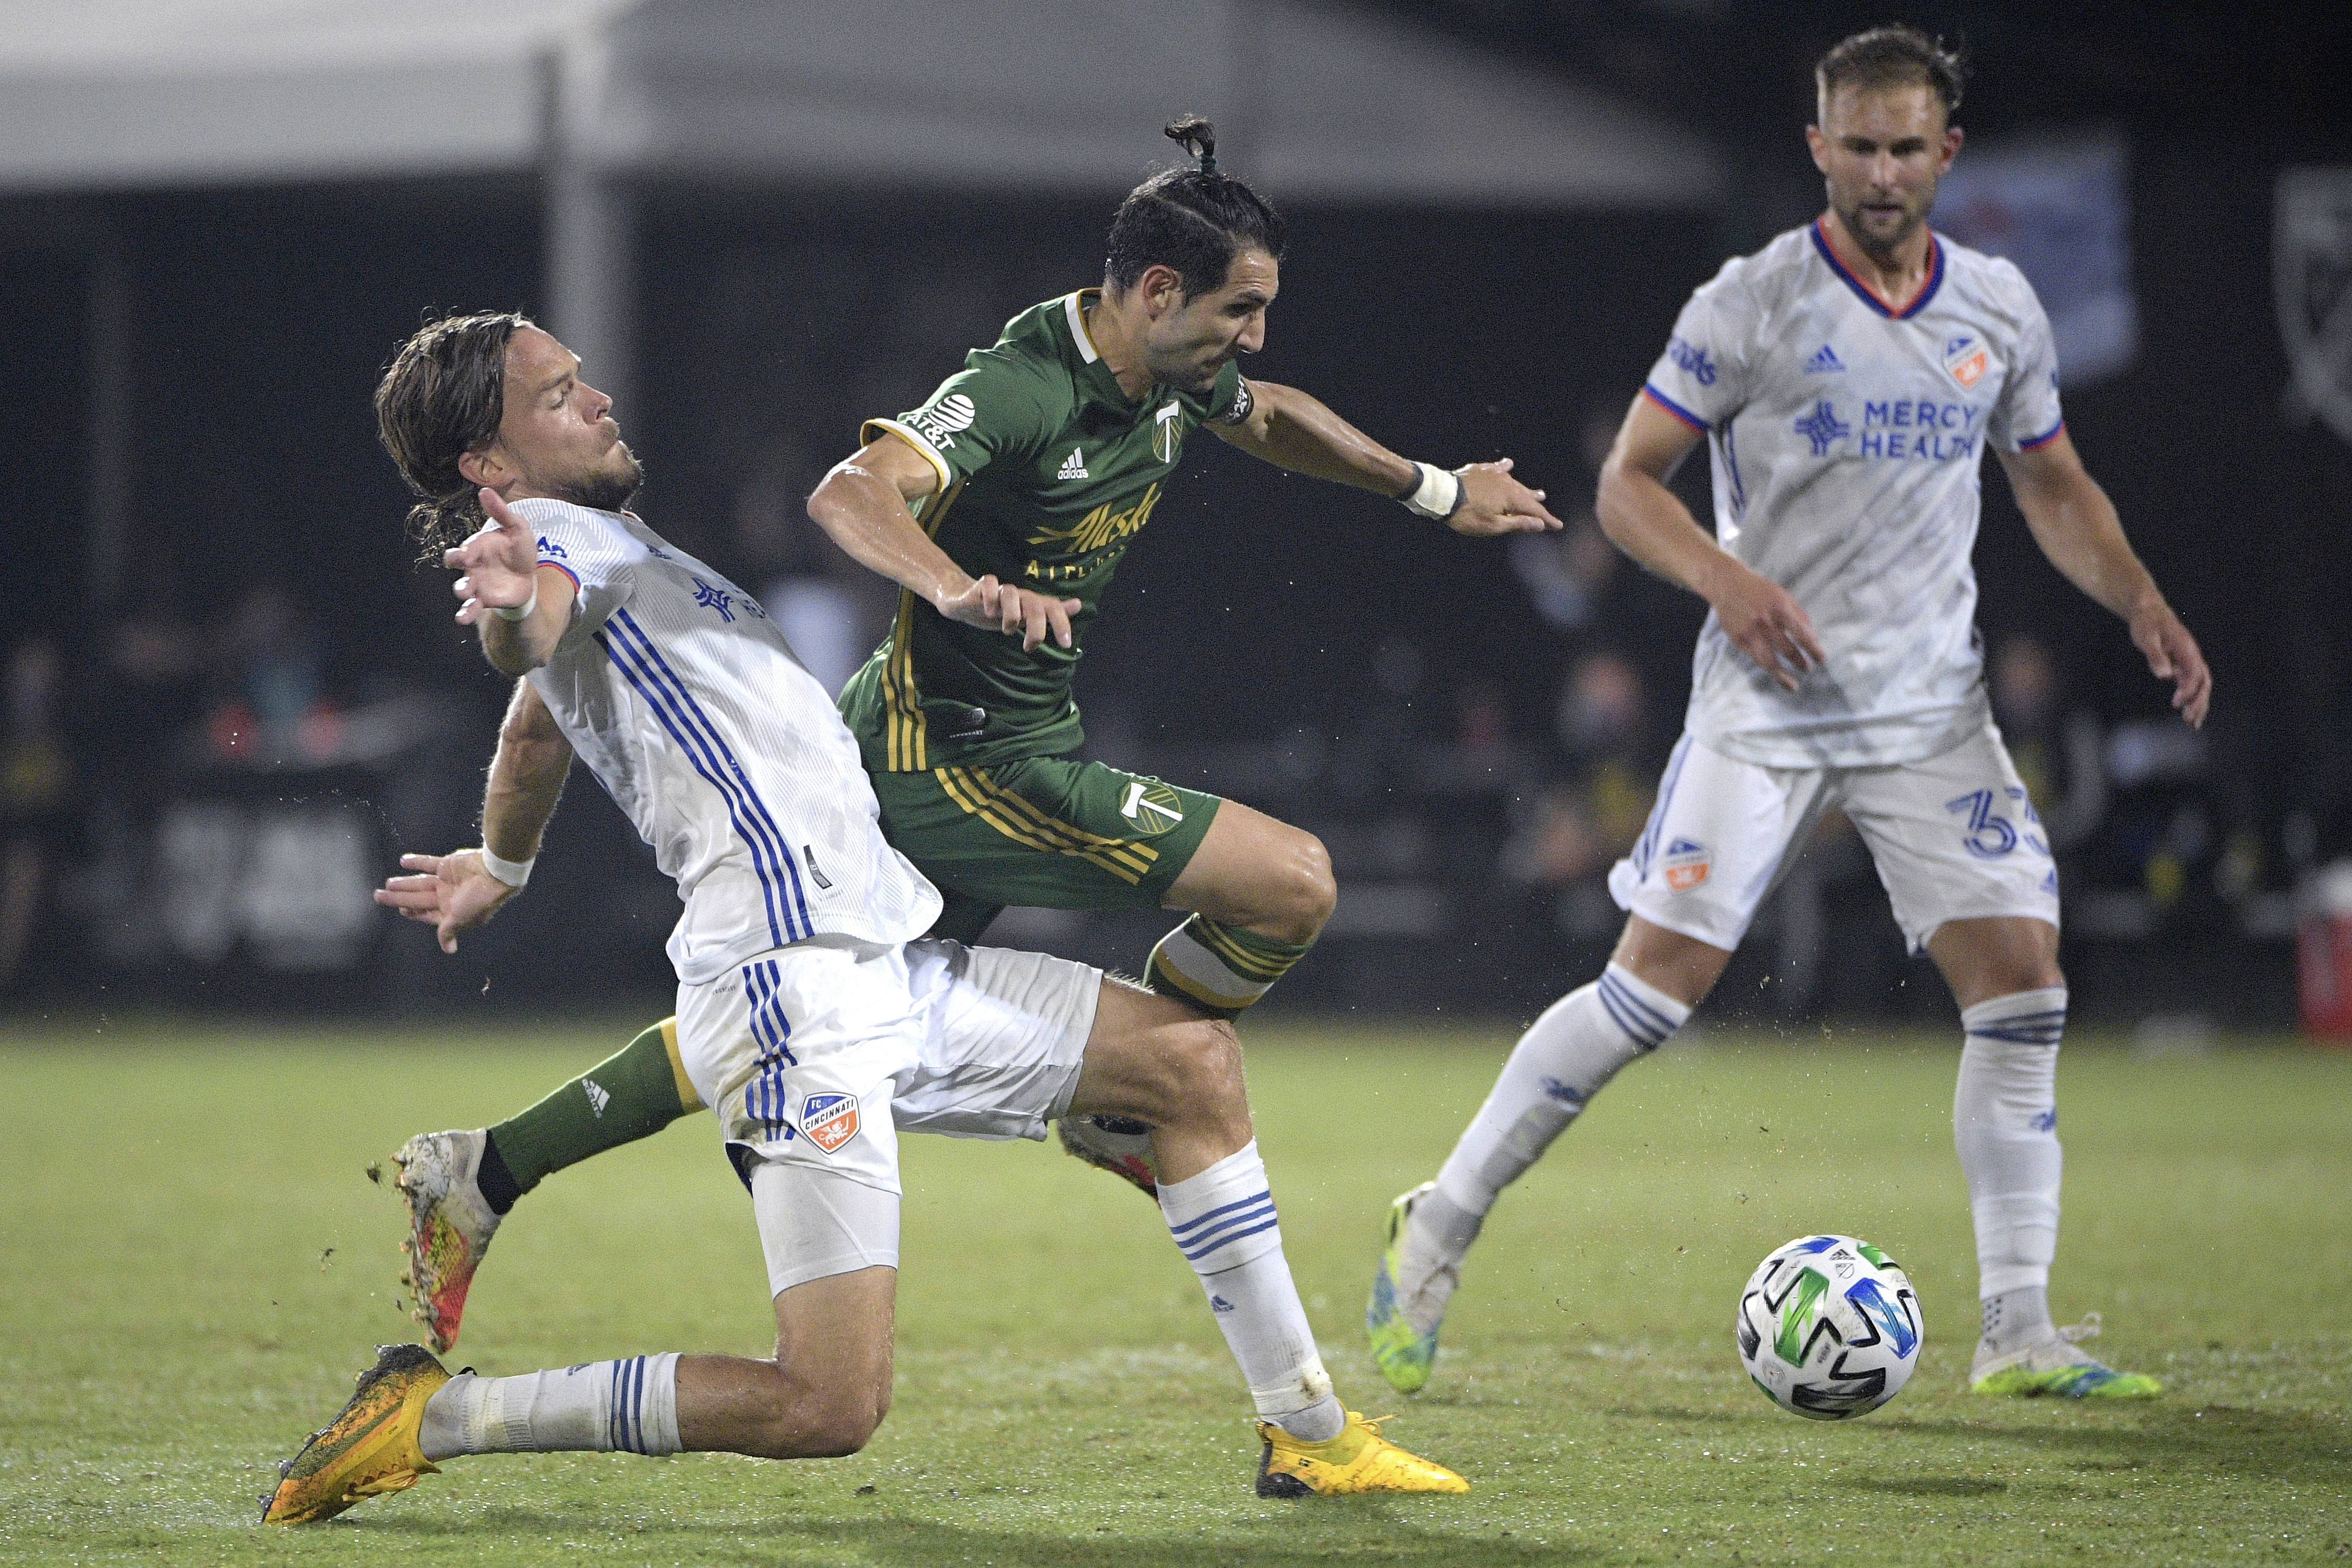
{"type": "Point", "coordinates": [449, 893]}
{"type": "Point", "coordinates": [1495, 503]}
{"type": "Point", "coordinates": [497, 564]}
{"type": "Point", "coordinates": [2173, 656]}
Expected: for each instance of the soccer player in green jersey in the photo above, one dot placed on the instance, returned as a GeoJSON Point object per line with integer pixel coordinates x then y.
{"type": "Point", "coordinates": [1003, 506]}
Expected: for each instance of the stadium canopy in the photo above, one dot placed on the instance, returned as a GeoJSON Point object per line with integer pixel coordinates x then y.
{"type": "Point", "coordinates": [1318, 103]}
{"type": "Point", "coordinates": [600, 99]}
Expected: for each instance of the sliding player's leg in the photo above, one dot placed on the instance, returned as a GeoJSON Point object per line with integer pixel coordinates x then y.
{"type": "Point", "coordinates": [1260, 892]}
{"type": "Point", "coordinates": [1150, 1058]}
{"type": "Point", "coordinates": [1719, 838]}
{"type": "Point", "coordinates": [458, 1185]}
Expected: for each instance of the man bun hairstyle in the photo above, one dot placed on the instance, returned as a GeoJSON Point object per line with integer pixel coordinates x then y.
{"type": "Point", "coordinates": [1193, 220]}
{"type": "Point", "coordinates": [443, 396]}
{"type": "Point", "coordinates": [1894, 56]}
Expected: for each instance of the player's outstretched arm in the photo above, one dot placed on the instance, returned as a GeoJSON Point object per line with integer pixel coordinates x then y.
{"type": "Point", "coordinates": [2077, 528]}
{"type": "Point", "coordinates": [1292, 430]}
{"type": "Point", "coordinates": [1645, 520]}
{"type": "Point", "coordinates": [458, 891]}
{"type": "Point", "coordinates": [520, 609]}
{"type": "Point", "coordinates": [863, 507]}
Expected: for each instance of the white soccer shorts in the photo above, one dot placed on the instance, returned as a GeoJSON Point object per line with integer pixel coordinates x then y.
{"type": "Point", "coordinates": [817, 1055]}
{"type": "Point", "coordinates": [1954, 838]}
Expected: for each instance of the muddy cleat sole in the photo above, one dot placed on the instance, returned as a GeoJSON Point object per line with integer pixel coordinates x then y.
{"type": "Point", "coordinates": [1119, 1144]}
{"type": "Point", "coordinates": [1357, 1461]}
{"type": "Point", "coordinates": [2058, 1368]}
{"type": "Point", "coordinates": [368, 1448]}
{"type": "Point", "coordinates": [1403, 1353]}
{"type": "Point", "coordinates": [449, 1227]}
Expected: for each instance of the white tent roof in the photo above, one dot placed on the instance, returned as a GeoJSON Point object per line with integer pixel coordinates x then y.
{"type": "Point", "coordinates": [1312, 101]}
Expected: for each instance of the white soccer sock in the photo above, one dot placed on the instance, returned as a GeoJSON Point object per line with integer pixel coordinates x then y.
{"type": "Point", "coordinates": [597, 1407]}
{"type": "Point", "coordinates": [1561, 1061]}
{"type": "Point", "coordinates": [2005, 1125]}
{"type": "Point", "coordinates": [1224, 1224]}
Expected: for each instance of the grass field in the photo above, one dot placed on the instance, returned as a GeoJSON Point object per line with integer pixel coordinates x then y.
{"type": "Point", "coordinates": [195, 1267]}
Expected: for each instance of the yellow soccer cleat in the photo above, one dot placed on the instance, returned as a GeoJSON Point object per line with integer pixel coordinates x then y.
{"type": "Point", "coordinates": [2058, 1368]}
{"type": "Point", "coordinates": [449, 1227]}
{"type": "Point", "coordinates": [1357, 1461]}
{"type": "Point", "coordinates": [368, 1448]}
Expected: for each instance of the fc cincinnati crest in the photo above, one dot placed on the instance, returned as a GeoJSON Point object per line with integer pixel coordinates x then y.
{"type": "Point", "coordinates": [2313, 254]}
{"type": "Point", "coordinates": [1967, 358]}
{"type": "Point", "coordinates": [1687, 864]}
{"type": "Point", "coordinates": [828, 1121]}
{"type": "Point", "coordinates": [1167, 432]}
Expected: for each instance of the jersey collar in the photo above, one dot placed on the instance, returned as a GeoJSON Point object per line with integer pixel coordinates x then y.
{"type": "Point", "coordinates": [1869, 298]}
{"type": "Point", "coordinates": [1090, 359]}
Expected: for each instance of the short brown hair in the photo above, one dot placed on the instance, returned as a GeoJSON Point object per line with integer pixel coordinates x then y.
{"type": "Point", "coordinates": [1894, 56]}
{"type": "Point", "coordinates": [442, 397]}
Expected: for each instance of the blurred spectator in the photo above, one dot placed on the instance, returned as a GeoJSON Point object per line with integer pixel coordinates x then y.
{"type": "Point", "coordinates": [1592, 815]}
{"type": "Point", "coordinates": [831, 611]}
{"type": "Point", "coordinates": [2057, 753]}
{"type": "Point", "coordinates": [271, 703]}
{"type": "Point", "coordinates": [1567, 573]}
{"type": "Point", "coordinates": [37, 798]}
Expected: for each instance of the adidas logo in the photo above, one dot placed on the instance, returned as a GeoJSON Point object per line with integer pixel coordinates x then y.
{"type": "Point", "coordinates": [598, 1096]}
{"type": "Point", "coordinates": [1219, 1305]}
{"type": "Point", "coordinates": [1824, 362]}
{"type": "Point", "coordinates": [1074, 466]}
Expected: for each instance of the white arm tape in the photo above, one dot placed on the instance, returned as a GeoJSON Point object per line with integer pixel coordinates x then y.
{"type": "Point", "coordinates": [1437, 495]}
{"type": "Point", "coordinates": [514, 873]}
{"type": "Point", "coordinates": [519, 612]}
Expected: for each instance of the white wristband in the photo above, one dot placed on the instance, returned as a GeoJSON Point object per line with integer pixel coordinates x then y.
{"type": "Point", "coordinates": [517, 612]}
{"type": "Point", "coordinates": [1437, 495]}
{"type": "Point", "coordinates": [514, 873]}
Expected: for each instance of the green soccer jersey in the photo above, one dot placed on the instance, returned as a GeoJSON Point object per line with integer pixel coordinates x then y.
{"type": "Point", "coordinates": [1048, 472]}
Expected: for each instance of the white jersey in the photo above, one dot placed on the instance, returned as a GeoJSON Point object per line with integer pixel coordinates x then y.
{"type": "Point", "coordinates": [676, 688]}
{"type": "Point", "coordinates": [1847, 442]}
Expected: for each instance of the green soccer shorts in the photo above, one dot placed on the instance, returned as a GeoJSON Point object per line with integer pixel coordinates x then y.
{"type": "Point", "coordinates": [1046, 832]}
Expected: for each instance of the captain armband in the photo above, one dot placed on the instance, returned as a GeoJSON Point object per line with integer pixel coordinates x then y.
{"type": "Point", "coordinates": [1437, 495]}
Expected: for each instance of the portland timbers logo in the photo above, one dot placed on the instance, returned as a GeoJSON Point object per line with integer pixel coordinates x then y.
{"type": "Point", "coordinates": [1152, 806]}
{"type": "Point", "coordinates": [1167, 432]}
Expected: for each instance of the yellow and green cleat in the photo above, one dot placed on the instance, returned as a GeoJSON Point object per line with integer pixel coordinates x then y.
{"type": "Point", "coordinates": [368, 1448]}
{"type": "Point", "coordinates": [1357, 1461]}
{"type": "Point", "coordinates": [1403, 1353]}
{"type": "Point", "coordinates": [2058, 1368]}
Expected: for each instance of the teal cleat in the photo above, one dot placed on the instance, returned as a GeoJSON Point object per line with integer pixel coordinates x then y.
{"type": "Point", "coordinates": [2059, 1368]}
{"type": "Point", "coordinates": [1403, 1353]}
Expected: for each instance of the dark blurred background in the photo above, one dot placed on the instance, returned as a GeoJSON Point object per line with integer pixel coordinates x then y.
{"type": "Point", "coordinates": [232, 698]}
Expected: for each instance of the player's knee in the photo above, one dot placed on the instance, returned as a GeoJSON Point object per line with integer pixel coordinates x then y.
{"type": "Point", "coordinates": [1302, 891]}
{"type": "Point", "coordinates": [822, 1423]}
{"type": "Point", "coordinates": [1201, 1074]}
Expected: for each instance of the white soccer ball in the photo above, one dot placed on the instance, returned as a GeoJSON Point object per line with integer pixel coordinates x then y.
{"type": "Point", "coordinates": [1829, 1327]}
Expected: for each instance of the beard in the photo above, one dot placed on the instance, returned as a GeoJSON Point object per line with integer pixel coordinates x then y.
{"type": "Point", "coordinates": [609, 489]}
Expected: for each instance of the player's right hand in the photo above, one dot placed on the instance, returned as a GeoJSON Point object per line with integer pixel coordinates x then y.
{"type": "Point", "coordinates": [450, 893]}
{"type": "Point", "coordinates": [498, 562]}
{"type": "Point", "coordinates": [1765, 622]}
{"type": "Point", "coordinates": [1017, 612]}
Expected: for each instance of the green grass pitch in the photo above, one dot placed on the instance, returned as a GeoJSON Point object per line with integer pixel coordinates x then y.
{"type": "Point", "coordinates": [196, 1267]}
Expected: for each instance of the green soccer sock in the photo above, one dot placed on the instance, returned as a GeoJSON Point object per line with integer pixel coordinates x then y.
{"type": "Point", "coordinates": [1219, 968]}
{"type": "Point", "coordinates": [631, 1094]}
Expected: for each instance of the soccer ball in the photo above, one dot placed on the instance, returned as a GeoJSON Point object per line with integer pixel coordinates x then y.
{"type": "Point", "coordinates": [1829, 1327]}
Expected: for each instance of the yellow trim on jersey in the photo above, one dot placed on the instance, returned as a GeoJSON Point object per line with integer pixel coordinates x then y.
{"type": "Point", "coordinates": [1074, 307]}
{"type": "Point", "coordinates": [912, 438]}
{"type": "Point", "coordinates": [689, 1098]}
{"type": "Point", "coordinates": [905, 731]}
{"type": "Point", "coordinates": [1017, 820]}
{"type": "Point", "coordinates": [1136, 854]}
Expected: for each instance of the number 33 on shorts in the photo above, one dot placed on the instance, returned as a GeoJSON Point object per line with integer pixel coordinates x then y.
{"type": "Point", "coordinates": [1990, 837]}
